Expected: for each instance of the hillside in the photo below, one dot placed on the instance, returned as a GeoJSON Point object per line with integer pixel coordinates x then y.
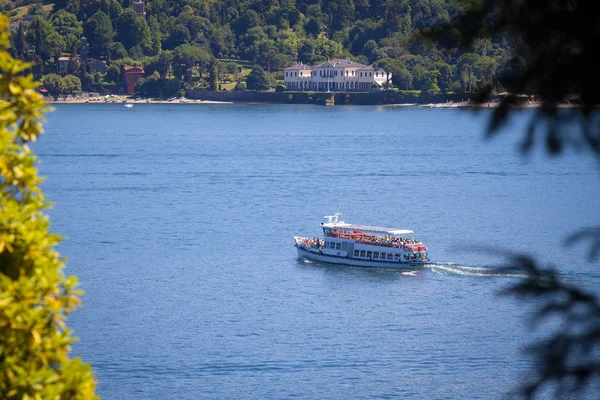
{"type": "Point", "coordinates": [182, 39]}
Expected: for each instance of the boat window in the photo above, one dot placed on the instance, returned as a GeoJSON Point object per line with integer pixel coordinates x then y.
{"type": "Point", "coordinates": [368, 254]}
{"type": "Point", "coordinates": [345, 246]}
{"type": "Point", "coordinates": [355, 253]}
{"type": "Point", "coordinates": [375, 254]}
{"type": "Point", "coordinates": [362, 253]}
{"type": "Point", "coordinates": [331, 245]}
{"type": "Point", "coordinates": [338, 246]}
{"type": "Point", "coordinates": [390, 256]}
{"type": "Point", "coordinates": [396, 256]}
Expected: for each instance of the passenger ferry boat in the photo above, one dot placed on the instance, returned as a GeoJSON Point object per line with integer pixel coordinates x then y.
{"type": "Point", "coordinates": [362, 246]}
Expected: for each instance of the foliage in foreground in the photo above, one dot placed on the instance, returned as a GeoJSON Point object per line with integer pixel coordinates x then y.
{"type": "Point", "coordinates": [562, 39]}
{"type": "Point", "coordinates": [35, 296]}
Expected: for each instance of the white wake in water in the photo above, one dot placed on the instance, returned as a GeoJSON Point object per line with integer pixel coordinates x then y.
{"type": "Point", "coordinates": [453, 268]}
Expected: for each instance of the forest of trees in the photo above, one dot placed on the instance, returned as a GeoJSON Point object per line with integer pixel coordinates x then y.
{"type": "Point", "coordinates": [184, 40]}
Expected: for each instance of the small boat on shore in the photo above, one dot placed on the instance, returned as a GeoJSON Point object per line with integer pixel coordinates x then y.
{"type": "Point", "coordinates": [362, 246]}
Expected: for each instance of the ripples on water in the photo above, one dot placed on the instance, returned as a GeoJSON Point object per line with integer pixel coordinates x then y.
{"type": "Point", "coordinates": [179, 224]}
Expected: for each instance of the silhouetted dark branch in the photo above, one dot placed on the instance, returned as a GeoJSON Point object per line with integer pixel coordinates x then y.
{"type": "Point", "coordinates": [554, 44]}
{"type": "Point", "coordinates": [567, 361]}
{"type": "Point", "coordinates": [591, 234]}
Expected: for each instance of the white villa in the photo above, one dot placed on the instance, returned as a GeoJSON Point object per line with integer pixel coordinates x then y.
{"type": "Point", "coordinates": [334, 75]}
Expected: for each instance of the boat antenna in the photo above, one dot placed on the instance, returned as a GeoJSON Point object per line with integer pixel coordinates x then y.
{"type": "Point", "coordinates": [337, 215]}
{"type": "Point", "coordinates": [334, 218]}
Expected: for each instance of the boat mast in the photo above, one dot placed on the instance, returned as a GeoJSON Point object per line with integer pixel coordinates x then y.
{"type": "Point", "coordinates": [334, 219]}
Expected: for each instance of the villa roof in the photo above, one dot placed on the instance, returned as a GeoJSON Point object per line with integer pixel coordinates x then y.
{"type": "Point", "coordinates": [297, 67]}
{"type": "Point", "coordinates": [340, 63]}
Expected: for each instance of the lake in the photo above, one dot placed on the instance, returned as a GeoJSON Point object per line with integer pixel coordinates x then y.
{"type": "Point", "coordinates": [179, 222]}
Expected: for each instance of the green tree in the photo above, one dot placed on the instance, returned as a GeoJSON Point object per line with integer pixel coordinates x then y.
{"type": "Point", "coordinates": [214, 76]}
{"type": "Point", "coordinates": [72, 6]}
{"type": "Point", "coordinates": [402, 78]}
{"type": "Point", "coordinates": [113, 73]}
{"type": "Point", "coordinates": [132, 30]}
{"type": "Point", "coordinates": [228, 70]}
{"type": "Point", "coordinates": [115, 9]}
{"type": "Point", "coordinates": [71, 42]}
{"type": "Point", "coordinates": [257, 79]}
{"type": "Point", "coordinates": [46, 42]}
{"type": "Point", "coordinates": [391, 68]}
{"type": "Point", "coordinates": [188, 56]}
{"type": "Point", "coordinates": [340, 13]}
{"type": "Point", "coordinates": [19, 44]}
{"type": "Point", "coordinates": [281, 61]}
{"type": "Point", "coordinates": [466, 64]}
{"type": "Point", "coordinates": [66, 23]}
{"type": "Point", "coordinates": [180, 34]}
{"type": "Point", "coordinates": [485, 69]}
{"type": "Point", "coordinates": [240, 87]}
{"type": "Point", "coordinates": [156, 35]}
{"type": "Point", "coordinates": [71, 84]}
{"type": "Point", "coordinates": [163, 64]}
{"type": "Point", "coordinates": [35, 296]}
{"type": "Point", "coordinates": [99, 32]}
{"type": "Point", "coordinates": [54, 84]}
{"type": "Point", "coordinates": [118, 51]}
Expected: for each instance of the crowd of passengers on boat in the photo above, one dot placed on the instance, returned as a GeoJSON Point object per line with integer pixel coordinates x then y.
{"type": "Point", "coordinates": [387, 241]}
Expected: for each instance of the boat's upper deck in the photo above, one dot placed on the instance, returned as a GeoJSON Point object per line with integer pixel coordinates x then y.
{"type": "Point", "coordinates": [342, 227]}
{"type": "Point", "coordinates": [333, 224]}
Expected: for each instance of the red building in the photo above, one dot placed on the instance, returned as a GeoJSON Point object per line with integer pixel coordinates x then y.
{"type": "Point", "coordinates": [131, 76]}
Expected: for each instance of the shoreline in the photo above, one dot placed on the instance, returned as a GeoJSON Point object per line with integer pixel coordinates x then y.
{"type": "Point", "coordinates": [116, 99]}
{"type": "Point", "coordinates": [126, 100]}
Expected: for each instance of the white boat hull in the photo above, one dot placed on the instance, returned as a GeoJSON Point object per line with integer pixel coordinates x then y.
{"type": "Point", "coordinates": [315, 255]}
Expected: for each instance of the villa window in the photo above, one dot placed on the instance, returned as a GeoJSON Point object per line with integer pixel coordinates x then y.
{"type": "Point", "coordinates": [300, 73]}
{"type": "Point", "coordinates": [370, 74]}
{"type": "Point", "coordinates": [352, 73]}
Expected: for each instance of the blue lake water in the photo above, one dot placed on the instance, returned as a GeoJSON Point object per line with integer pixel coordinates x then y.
{"type": "Point", "coordinates": [178, 221]}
